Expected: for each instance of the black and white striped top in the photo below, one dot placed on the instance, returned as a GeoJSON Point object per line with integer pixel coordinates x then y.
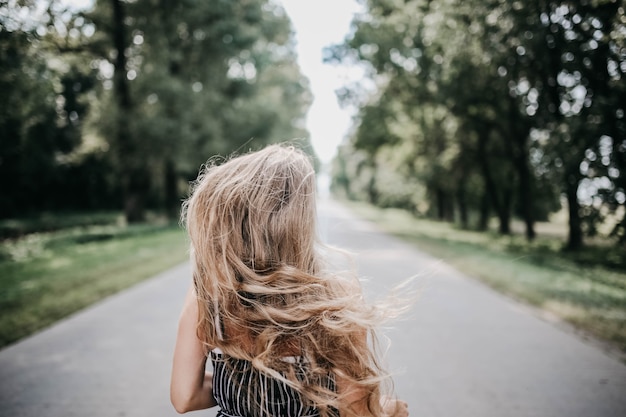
{"type": "Point", "coordinates": [232, 382]}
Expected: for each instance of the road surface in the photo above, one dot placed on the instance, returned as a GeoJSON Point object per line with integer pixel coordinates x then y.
{"type": "Point", "coordinates": [462, 351]}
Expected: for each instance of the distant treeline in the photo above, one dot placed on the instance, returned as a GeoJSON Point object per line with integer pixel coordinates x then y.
{"type": "Point", "coordinates": [116, 107]}
{"type": "Point", "coordinates": [481, 108]}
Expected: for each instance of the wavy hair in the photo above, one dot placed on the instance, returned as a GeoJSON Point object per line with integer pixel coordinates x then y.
{"type": "Point", "coordinates": [261, 287]}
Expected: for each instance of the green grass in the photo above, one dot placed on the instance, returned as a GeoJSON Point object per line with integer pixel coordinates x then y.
{"type": "Point", "coordinates": [47, 276]}
{"type": "Point", "coordinates": [48, 222]}
{"type": "Point", "coordinates": [578, 288]}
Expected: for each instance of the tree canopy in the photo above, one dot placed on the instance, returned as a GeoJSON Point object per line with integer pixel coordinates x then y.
{"type": "Point", "coordinates": [119, 105]}
{"type": "Point", "coordinates": [490, 106]}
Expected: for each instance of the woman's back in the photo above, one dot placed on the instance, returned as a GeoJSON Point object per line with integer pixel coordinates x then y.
{"type": "Point", "coordinates": [261, 295]}
{"type": "Point", "coordinates": [233, 379]}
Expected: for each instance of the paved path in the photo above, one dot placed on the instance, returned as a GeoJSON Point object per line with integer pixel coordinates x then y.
{"type": "Point", "coordinates": [463, 351]}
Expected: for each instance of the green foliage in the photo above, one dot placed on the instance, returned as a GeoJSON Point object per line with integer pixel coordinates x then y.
{"type": "Point", "coordinates": [116, 108]}
{"type": "Point", "coordinates": [83, 129]}
{"type": "Point", "coordinates": [494, 107]}
{"type": "Point", "coordinates": [49, 221]}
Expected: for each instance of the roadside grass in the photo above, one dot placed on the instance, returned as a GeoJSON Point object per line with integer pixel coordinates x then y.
{"type": "Point", "coordinates": [47, 276]}
{"type": "Point", "coordinates": [579, 289]}
{"type": "Point", "coordinates": [49, 222]}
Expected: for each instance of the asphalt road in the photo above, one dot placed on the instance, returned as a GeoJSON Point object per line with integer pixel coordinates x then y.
{"type": "Point", "coordinates": [462, 351]}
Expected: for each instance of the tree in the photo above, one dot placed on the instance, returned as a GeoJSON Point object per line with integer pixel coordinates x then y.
{"type": "Point", "coordinates": [44, 101]}
{"type": "Point", "coordinates": [533, 89]}
{"type": "Point", "coordinates": [135, 96]}
{"type": "Point", "coordinates": [202, 78]}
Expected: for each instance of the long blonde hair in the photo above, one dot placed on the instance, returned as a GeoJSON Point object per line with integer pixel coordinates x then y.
{"type": "Point", "coordinates": [258, 276]}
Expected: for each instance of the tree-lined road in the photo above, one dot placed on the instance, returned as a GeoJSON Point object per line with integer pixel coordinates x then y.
{"type": "Point", "coordinates": [463, 350]}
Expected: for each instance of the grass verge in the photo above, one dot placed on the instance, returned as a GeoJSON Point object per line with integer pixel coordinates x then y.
{"type": "Point", "coordinates": [591, 297]}
{"type": "Point", "coordinates": [47, 276]}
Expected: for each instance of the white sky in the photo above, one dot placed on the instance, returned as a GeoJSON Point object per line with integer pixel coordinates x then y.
{"type": "Point", "coordinates": [320, 23]}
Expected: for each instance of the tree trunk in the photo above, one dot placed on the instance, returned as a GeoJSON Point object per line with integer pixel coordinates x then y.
{"type": "Point", "coordinates": [462, 202]}
{"type": "Point", "coordinates": [440, 204]}
{"type": "Point", "coordinates": [526, 196]}
{"type": "Point", "coordinates": [483, 222]}
{"type": "Point", "coordinates": [502, 207]}
{"type": "Point", "coordinates": [172, 198]}
{"type": "Point", "coordinates": [519, 156]}
{"type": "Point", "coordinates": [575, 237]}
{"type": "Point", "coordinates": [134, 198]}
{"type": "Point", "coordinates": [135, 180]}
{"type": "Point", "coordinates": [504, 214]}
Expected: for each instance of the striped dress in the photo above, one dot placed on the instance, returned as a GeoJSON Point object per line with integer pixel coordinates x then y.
{"type": "Point", "coordinates": [231, 381]}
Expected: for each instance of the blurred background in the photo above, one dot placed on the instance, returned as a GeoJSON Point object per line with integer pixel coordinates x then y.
{"type": "Point", "coordinates": [498, 124]}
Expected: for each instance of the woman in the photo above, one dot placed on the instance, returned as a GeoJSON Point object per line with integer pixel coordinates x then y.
{"type": "Point", "coordinates": [285, 337]}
